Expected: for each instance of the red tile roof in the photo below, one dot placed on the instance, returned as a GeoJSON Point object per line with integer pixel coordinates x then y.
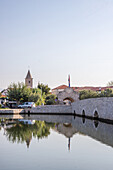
{"type": "Point", "coordinates": [60, 87]}
{"type": "Point", "coordinates": [84, 88]}
{"type": "Point", "coordinates": [91, 88]}
{"type": "Point", "coordinates": [2, 96]}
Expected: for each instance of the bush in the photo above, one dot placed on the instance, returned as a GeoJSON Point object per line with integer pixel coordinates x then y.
{"type": "Point", "coordinates": [50, 99]}
{"type": "Point", "coordinates": [86, 94]}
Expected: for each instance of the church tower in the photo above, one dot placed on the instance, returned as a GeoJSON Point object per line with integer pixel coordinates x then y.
{"type": "Point", "coordinates": [29, 80]}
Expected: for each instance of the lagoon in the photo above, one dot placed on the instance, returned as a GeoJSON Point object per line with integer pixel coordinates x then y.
{"type": "Point", "coordinates": [56, 142]}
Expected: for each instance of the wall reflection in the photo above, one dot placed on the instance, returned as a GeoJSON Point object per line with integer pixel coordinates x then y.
{"type": "Point", "coordinates": [96, 123]}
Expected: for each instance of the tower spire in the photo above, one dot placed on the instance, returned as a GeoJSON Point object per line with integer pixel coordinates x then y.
{"type": "Point", "coordinates": [29, 80]}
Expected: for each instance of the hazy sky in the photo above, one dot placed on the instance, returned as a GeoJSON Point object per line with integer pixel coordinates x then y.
{"type": "Point", "coordinates": [55, 38]}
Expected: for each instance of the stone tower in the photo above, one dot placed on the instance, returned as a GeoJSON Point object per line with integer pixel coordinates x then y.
{"type": "Point", "coordinates": [29, 80]}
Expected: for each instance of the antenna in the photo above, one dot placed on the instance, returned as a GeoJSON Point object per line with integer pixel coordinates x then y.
{"type": "Point", "coordinates": [28, 67]}
{"type": "Point", "coordinates": [69, 80]}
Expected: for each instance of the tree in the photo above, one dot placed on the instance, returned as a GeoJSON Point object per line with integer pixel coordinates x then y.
{"type": "Point", "coordinates": [50, 99]}
{"type": "Point", "coordinates": [85, 94]}
{"type": "Point", "coordinates": [21, 93]}
{"type": "Point", "coordinates": [106, 93]}
{"type": "Point", "coordinates": [45, 89]}
{"type": "Point", "coordinates": [18, 92]}
{"type": "Point", "coordinates": [35, 95]}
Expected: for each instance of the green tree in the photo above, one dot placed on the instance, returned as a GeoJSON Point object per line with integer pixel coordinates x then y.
{"type": "Point", "coordinates": [18, 92]}
{"type": "Point", "coordinates": [37, 96]}
{"type": "Point", "coordinates": [50, 99]}
{"type": "Point", "coordinates": [33, 97]}
{"type": "Point", "coordinates": [106, 93]}
{"type": "Point", "coordinates": [45, 89]}
{"type": "Point", "coordinates": [85, 94]}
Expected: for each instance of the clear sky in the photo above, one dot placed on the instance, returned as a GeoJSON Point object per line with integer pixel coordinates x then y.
{"type": "Point", "coordinates": [55, 38]}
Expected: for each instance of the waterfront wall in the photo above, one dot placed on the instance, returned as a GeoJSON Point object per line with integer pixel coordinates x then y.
{"type": "Point", "coordinates": [11, 111]}
{"type": "Point", "coordinates": [52, 109]}
{"type": "Point", "coordinates": [57, 109]}
{"type": "Point", "coordinates": [95, 107]}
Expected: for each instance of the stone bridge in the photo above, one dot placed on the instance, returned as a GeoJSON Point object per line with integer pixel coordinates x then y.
{"type": "Point", "coordinates": [101, 108]}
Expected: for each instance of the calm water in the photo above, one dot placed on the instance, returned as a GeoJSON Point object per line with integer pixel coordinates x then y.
{"type": "Point", "coordinates": [56, 143]}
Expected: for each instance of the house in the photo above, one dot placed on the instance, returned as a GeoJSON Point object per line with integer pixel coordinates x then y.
{"type": "Point", "coordinates": [61, 88]}
{"type": "Point", "coordinates": [3, 99]}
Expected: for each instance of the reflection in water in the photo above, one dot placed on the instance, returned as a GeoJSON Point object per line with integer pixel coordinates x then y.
{"type": "Point", "coordinates": [74, 116]}
{"type": "Point", "coordinates": [99, 131]}
{"type": "Point", "coordinates": [66, 125]}
{"type": "Point", "coordinates": [83, 119]}
{"type": "Point", "coordinates": [21, 132]}
{"type": "Point", "coordinates": [67, 130]}
{"type": "Point", "coordinates": [52, 153]}
{"type": "Point", "coordinates": [96, 123]}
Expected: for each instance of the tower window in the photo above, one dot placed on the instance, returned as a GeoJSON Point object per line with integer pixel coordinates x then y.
{"type": "Point", "coordinates": [29, 82]}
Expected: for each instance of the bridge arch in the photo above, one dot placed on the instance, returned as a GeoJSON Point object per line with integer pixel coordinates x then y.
{"type": "Point", "coordinates": [96, 115]}
{"type": "Point", "coordinates": [83, 113]}
{"type": "Point", "coordinates": [68, 100]}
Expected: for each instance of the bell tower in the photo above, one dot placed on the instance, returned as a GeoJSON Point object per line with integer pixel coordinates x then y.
{"type": "Point", "coordinates": [29, 80]}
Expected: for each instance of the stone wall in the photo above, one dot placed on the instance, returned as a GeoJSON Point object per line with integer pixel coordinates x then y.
{"type": "Point", "coordinates": [96, 107]}
{"type": "Point", "coordinates": [11, 111]}
{"type": "Point", "coordinates": [52, 109]}
{"type": "Point", "coordinates": [68, 93]}
{"type": "Point", "coordinates": [89, 107]}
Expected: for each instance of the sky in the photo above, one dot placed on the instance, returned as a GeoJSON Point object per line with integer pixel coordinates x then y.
{"type": "Point", "coordinates": [55, 38]}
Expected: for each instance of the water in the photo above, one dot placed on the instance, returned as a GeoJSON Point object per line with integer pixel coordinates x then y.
{"type": "Point", "coordinates": [57, 143]}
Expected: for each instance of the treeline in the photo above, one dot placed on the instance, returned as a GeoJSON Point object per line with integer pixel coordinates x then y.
{"type": "Point", "coordinates": [21, 93]}
{"type": "Point", "coordinates": [85, 94]}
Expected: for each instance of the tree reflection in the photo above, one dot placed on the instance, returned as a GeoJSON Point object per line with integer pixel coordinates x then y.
{"type": "Point", "coordinates": [21, 132]}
